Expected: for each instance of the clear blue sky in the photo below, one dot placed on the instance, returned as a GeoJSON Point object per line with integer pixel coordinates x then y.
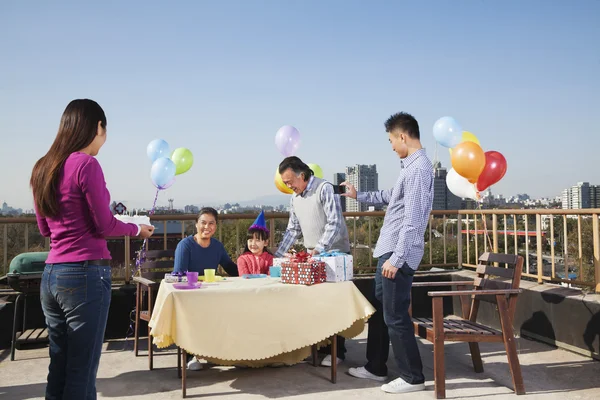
{"type": "Point", "coordinates": [221, 77]}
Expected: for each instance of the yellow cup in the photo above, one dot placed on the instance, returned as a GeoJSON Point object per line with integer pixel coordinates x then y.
{"type": "Point", "coordinates": [209, 275]}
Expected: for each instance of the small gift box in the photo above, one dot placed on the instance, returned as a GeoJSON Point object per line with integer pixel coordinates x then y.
{"type": "Point", "coordinates": [300, 269]}
{"type": "Point", "coordinates": [175, 277]}
{"type": "Point", "coordinates": [339, 267]}
{"type": "Point", "coordinates": [277, 261]}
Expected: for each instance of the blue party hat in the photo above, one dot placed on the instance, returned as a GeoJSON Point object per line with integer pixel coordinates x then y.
{"type": "Point", "coordinates": [259, 222]}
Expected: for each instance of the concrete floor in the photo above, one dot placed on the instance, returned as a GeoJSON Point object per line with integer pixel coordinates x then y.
{"type": "Point", "coordinates": [553, 373]}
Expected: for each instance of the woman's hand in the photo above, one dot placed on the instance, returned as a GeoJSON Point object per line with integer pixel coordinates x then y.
{"type": "Point", "coordinates": [146, 231]}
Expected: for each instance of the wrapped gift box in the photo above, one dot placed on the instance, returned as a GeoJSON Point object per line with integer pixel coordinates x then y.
{"type": "Point", "coordinates": [170, 278]}
{"type": "Point", "coordinates": [302, 270]}
{"type": "Point", "coordinates": [277, 261]}
{"type": "Point", "coordinates": [339, 267]}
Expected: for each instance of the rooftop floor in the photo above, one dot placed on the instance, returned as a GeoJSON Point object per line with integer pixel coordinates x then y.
{"type": "Point", "coordinates": [554, 373]}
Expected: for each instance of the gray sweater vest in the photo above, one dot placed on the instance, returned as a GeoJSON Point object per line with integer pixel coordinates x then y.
{"type": "Point", "coordinates": [311, 215]}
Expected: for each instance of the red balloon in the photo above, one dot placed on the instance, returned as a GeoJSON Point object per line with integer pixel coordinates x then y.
{"type": "Point", "coordinates": [494, 170]}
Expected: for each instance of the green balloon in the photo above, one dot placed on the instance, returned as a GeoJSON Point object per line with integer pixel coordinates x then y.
{"type": "Point", "coordinates": [183, 160]}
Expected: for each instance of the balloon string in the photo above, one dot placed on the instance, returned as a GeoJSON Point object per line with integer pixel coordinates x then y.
{"type": "Point", "coordinates": [141, 257]}
{"type": "Point", "coordinates": [485, 229]}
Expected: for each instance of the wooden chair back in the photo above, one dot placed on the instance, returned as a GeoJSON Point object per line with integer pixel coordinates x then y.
{"type": "Point", "coordinates": [497, 271]}
{"type": "Point", "coordinates": [157, 263]}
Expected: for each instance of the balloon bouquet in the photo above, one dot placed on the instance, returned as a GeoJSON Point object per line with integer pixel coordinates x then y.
{"type": "Point", "coordinates": [287, 141]}
{"type": "Point", "coordinates": [472, 170]}
{"type": "Point", "coordinates": [165, 166]}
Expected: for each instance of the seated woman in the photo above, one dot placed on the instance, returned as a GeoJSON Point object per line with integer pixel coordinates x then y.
{"type": "Point", "coordinates": [201, 251]}
{"type": "Point", "coordinates": [256, 258]}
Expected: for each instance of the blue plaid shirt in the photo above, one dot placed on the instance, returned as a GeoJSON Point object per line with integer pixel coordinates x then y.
{"type": "Point", "coordinates": [409, 206]}
{"type": "Point", "coordinates": [332, 208]}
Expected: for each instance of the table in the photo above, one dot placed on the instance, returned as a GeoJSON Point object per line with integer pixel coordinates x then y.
{"type": "Point", "coordinates": [256, 322]}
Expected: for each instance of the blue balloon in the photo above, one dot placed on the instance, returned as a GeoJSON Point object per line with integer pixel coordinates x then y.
{"type": "Point", "coordinates": [162, 172]}
{"type": "Point", "coordinates": [447, 132]}
{"type": "Point", "coordinates": [158, 148]}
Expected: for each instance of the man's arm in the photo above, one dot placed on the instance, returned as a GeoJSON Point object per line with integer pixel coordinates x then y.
{"type": "Point", "coordinates": [291, 234]}
{"type": "Point", "coordinates": [182, 257]}
{"type": "Point", "coordinates": [378, 197]}
{"type": "Point", "coordinates": [416, 213]}
{"type": "Point", "coordinates": [332, 207]}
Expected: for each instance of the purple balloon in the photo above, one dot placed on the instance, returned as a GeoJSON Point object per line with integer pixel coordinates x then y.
{"type": "Point", "coordinates": [287, 140]}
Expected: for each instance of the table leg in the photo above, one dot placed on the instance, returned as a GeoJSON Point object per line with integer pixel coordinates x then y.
{"type": "Point", "coordinates": [333, 358]}
{"type": "Point", "coordinates": [24, 313]}
{"type": "Point", "coordinates": [183, 372]}
{"type": "Point", "coordinates": [179, 362]}
{"type": "Point", "coordinates": [315, 355]}
{"type": "Point", "coordinates": [14, 332]}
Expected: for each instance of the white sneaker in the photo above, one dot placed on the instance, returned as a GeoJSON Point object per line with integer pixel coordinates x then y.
{"type": "Point", "coordinates": [362, 373]}
{"type": "Point", "coordinates": [327, 361]}
{"type": "Point", "coordinates": [194, 365]}
{"type": "Point", "coordinates": [401, 386]}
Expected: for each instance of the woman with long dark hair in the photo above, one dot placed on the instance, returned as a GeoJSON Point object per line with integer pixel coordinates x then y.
{"type": "Point", "coordinates": [72, 208]}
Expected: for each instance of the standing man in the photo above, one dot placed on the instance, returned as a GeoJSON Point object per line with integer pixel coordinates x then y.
{"type": "Point", "coordinates": [316, 214]}
{"type": "Point", "coordinates": [400, 249]}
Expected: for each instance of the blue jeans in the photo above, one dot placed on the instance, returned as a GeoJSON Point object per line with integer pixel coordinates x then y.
{"type": "Point", "coordinates": [75, 299]}
{"type": "Point", "coordinates": [391, 321]}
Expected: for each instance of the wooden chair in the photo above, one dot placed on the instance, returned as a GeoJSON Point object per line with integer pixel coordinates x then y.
{"type": "Point", "coordinates": [152, 271]}
{"type": "Point", "coordinates": [493, 284]}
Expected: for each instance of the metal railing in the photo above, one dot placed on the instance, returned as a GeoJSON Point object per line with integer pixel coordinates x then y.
{"type": "Point", "coordinates": [561, 246]}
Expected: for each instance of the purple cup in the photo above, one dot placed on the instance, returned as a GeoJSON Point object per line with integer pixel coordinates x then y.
{"type": "Point", "coordinates": [192, 277]}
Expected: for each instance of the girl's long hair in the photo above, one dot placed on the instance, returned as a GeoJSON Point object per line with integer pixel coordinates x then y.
{"type": "Point", "coordinates": [77, 130]}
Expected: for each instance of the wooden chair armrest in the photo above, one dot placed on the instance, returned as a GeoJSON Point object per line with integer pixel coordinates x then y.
{"type": "Point", "coordinates": [144, 281]}
{"type": "Point", "coordinates": [450, 283]}
{"type": "Point", "coordinates": [474, 292]}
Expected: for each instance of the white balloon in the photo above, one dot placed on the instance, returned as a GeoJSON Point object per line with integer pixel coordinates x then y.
{"type": "Point", "coordinates": [460, 186]}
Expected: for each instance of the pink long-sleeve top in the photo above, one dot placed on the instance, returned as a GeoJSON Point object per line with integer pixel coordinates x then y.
{"type": "Point", "coordinates": [248, 263]}
{"type": "Point", "coordinates": [84, 220]}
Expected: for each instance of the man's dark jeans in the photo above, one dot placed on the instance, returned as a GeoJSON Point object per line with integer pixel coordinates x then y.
{"type": "Point", "coordinates": [75, 299]}
{"type": "Point", "coordinates": [392, 321]}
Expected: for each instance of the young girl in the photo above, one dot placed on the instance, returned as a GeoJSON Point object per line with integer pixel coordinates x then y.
{"type": "Point", "coordinates": [256, 258]}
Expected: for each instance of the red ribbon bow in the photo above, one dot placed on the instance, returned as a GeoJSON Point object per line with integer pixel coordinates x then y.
{"type": "Point", "coordinates": [300, 257]}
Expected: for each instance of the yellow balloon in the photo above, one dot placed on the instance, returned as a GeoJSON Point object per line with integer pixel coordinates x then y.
{"type": "Point", "coordinates": [467, 137]}
{"type": "Point", "coordinates": [280, 185]}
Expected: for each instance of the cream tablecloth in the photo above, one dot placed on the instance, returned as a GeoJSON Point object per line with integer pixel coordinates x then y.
{"type": "Point", "coordinates": [259, 321]}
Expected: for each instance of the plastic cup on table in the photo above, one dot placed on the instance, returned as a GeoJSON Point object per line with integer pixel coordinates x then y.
{"type": "Point", "coordinates": [192, 277]}
{"type": "Point", "coordinates": [275, 272]}
{"type": "Point", "coordinates": [209, 275]}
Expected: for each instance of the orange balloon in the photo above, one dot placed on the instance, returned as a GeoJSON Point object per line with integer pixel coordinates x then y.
{"type": "Point", "coordinates": [468, 160]}
{"type": "Point", "coordinates": [280, 185]}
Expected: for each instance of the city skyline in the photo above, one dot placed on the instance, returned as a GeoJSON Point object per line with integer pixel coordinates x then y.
{"type": "Point", "coordinates": [222, 78]}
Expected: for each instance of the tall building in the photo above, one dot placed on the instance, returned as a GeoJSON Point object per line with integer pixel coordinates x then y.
{"type": "Point", "coordinates": [595, 196]}
{"type": "Point", "coordinates": [338, 178]}
{"type": "Point", "coordinates": [443, 198]}
{"type": "Point", "coordinates": [582, 195]}
{"type": "Point", "coordinates": [365, 179]}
